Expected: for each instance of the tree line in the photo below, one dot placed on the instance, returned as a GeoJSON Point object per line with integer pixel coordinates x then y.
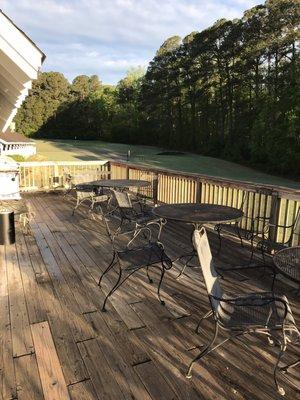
{"type": "Point", "coordinates": [230, 91]}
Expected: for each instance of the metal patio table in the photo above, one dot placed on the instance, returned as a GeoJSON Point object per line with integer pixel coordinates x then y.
{"type": "Point", "coordinates": [120, 184]}
{"type": "Point", "coordinates": [197, 214]}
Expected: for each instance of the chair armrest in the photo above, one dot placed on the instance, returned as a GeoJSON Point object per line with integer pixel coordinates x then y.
{"type": "Point", "coordinates": [281, 226]}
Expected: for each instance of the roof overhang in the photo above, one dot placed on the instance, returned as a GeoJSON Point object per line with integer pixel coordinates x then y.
{"type": "Point", "coordinates": [20, 62]}
{"type": "Point", "coordinates": [26, 143]}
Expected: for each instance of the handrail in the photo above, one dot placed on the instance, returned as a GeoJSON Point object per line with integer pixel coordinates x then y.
{"type": "Point", "coordinates": [46, 163]}
{"type": "Point", "coordinates": [278, 203]}
{"type": "Point", "coordinates": [214, 179]}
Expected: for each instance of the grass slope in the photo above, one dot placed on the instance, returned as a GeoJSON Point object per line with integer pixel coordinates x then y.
{"type": "Point", "coordinates": [71, 150]}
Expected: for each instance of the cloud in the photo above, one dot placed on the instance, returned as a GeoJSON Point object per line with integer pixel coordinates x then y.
{"type": "Point", "coordinates": [107, 37]}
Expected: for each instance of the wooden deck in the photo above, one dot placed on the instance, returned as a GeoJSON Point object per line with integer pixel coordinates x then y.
{"type": "Point", "coordinates": [56, 344]}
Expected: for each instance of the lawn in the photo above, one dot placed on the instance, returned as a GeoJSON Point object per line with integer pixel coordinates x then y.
{"type": "Point", "coordinates": [76, 150]}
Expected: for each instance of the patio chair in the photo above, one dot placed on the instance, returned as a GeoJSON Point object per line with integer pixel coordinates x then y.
{"type": "Point", "coordinates": [85, 195]}
{"type": "Point", "coordinates": [262, 313]}
{"type": "Point", "coordinates": [267, 245]}
{"type": "Point", "coordinates": [128, 261]}
{"type": "Point", "coordinates": [129, 215]}
{"type": "Point", "coordinates": [248, 228]}
{"type": "Point", "coordinates": [91, 196]}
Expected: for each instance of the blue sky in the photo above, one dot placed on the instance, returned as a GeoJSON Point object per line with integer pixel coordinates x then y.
{"type": "Point", "coordinates": [108, 37]}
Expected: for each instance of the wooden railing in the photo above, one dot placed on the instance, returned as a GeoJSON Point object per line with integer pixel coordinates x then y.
{"type": "Point", "coordinates": [281, 204]}
{"type": "Point", "coordinates": [48, 175]}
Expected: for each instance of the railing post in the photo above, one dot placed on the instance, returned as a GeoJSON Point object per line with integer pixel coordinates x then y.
{"type": "Point", "coordinates": [274, 216]}
{"type": "Point", "coordinates": [198, 191]}
{"type": "Point", "coordinates": [127, 172]}
{"type": "Point", "coordinates": [155, 189]}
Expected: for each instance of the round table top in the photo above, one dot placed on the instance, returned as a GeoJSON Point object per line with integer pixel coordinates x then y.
{"type": "Point", "coordinates": [196, 213]}
{"type": "Point", "coordinates": [114, 183]}
{"type": "Point", "coordinates": [287, 261]}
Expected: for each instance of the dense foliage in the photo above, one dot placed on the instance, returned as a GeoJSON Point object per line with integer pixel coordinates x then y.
{"type": "Point", "coordinates": [230, 91]}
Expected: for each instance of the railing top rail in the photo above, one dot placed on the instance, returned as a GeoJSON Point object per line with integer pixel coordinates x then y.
{"type": "Point", "coordinates": [49, 163]}
{"type": "Point", "coordinates": [246, 185]}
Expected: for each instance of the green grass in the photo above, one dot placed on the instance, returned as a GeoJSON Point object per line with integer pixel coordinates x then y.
{"type": "Point", "coordinates": [71, 150]}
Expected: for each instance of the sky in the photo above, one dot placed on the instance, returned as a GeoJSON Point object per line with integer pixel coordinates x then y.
{"type": "Point", "coordinates": [108, 37]}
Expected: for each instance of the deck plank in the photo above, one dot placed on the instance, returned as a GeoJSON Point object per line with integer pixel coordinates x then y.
{"type": "Point", "coordinates": [34, 297]}
{"type": "Point", "coordinates": [28, 379]}
{"type": "Point", "coordinates": [66, 295]}
{"type": "Point", "coordinates": [83, 391]}
{"type": "Point", "coordinates": [21, 335]}
{"type": "Point", "coordinates": [8, 388]}
{"type": "Point", "coordinates": [52, 378]}
{"type": "Point", "coordinates": [58, 318]}
{"type": "Point", "coordinates": [138, 349]}
{"type": "Point", "coordinates": [99, 370]}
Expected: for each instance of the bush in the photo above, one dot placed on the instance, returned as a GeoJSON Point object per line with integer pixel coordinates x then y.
{"type": "Point", "coordinates": [17, 157]}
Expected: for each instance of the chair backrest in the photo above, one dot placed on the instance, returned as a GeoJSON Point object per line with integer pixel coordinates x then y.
{"type": "Point", "coordinates": [122, 199]}
{"type": "Point", "coordinates": [210, 276]}
{"type": "Point", "coordinates": [295, 227]}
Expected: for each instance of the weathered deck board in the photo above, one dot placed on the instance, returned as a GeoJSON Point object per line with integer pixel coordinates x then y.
{"type": "Point", "coordinates": [137, 349]}
{"type": "Point", "coordinates": [83, 391]}
{"type": "Point", "coordinates": [7, 375]}
{"type": "Point", "coordinates": [28, 379]}
{"type": "Point", "coordinates": [52, 378]}
{"type": "Point", "coordinates": [21, 335]}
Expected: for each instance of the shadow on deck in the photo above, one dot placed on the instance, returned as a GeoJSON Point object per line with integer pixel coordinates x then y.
{"type": "Point", "coordinates": [56, 344]}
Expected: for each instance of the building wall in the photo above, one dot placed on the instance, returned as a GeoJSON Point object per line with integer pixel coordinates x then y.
{"type": "Point", "coordinates": [24, 150]}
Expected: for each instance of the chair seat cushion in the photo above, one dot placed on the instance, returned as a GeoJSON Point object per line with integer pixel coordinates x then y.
{"type": "Point", "coordinates": [152, 253]}
{"type": "Point", "coordinates": [254, 312]}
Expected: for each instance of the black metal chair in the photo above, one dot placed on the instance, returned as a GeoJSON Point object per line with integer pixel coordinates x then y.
{"type": "Point", "coordinates": [247, 228]}
{"type": "Point", "coordinates": [262, 313]}
{"type": "Point", "coordinates": [127, 261]}
{"type": "Point", "coordinates": [93, 197]}
{"type": "Point", "coordinates": [267, 245]}
{"type": "Point", "coordinates": [136, 220]}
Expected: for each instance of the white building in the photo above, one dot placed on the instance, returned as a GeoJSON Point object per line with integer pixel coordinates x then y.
{"type": "Point", "coordinates": [12, 143]}
{"type": "Point", "coordinates": [20, 62]}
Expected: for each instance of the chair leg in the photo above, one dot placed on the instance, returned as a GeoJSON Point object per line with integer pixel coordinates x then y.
{"type": "Point", "coordinates": [159, 286]}
{"type": "Point", "coordinates": [210, 347]}
{"type": "Point", "coordinates": [273, 281]}
{"type": "Point", "coordinates": [252, 251]}
{"type": "Point", "coordinates": [207, 315]}
{"type": "Point", "coordinates": [202, 353]}
{"type": "Point", "coordinates": [112, 289]}
{"type": "Point", "coordinates": [148, 275]}
{"type": "Point", "coordinates": [111, 264]}
{"type": "Point", "coordinates": [280, 354]}
{"type": "Point", "coordinates": [240, 236]}
{"type": "Point", "coordinates": [189, 258]}
{"type": "Point", "coordinates": [286, 368]}
{"type": "Point", "coordinates": [220, 241]}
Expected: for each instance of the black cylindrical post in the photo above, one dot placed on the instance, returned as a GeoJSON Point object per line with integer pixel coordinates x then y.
{"type": "Point", "coordinates": [7, 227]}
